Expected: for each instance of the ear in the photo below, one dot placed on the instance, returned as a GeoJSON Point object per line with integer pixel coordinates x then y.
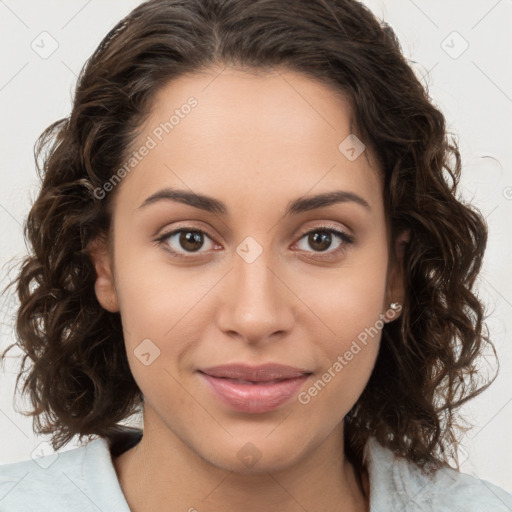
{"type": "Point", "coordinates": [396, 289]}
{"type": "Point", "coordinates": [104, 285]}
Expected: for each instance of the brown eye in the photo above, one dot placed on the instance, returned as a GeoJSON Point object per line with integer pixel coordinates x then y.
{"type": "Point", "coordinates": [321, 240]}
{"type": "Point", "coordinates": [190, 240]}
{"type": "Point", "coordinates": [182, 241]}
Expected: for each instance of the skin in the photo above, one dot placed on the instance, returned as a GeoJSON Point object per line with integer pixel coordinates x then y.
{"type": "Point", "coordinates": [255, 142]}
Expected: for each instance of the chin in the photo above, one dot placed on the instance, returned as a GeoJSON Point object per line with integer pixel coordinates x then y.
{"type": "Point", "coordinates": [257, 456]}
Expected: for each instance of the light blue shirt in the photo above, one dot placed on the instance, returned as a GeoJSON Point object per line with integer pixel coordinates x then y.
{"type": "Point", "coordinates": [83, 479]}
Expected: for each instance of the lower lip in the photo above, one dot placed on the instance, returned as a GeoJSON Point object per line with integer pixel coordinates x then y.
{"type": "Point", "coordinates": [254, 398]}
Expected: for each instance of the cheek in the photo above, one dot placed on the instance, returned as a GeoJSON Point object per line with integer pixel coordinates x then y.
{"type": "Point", "coordinates": [350, 307]}
{"type": "Point", "coordinates": [349, 299]}
{"type": "Point", "coordinates": [150, 307]}
{"type": "Point", "coordinates": [347, 356]}
{"type": "Point", "coordinates": [155, 295]}
{"type": "Point", "coordinates": [159, 311]}
{"type": "Point", "coordinates": [164, 311]}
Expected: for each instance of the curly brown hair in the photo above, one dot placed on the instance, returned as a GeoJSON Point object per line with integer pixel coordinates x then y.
{"type": "Point", "coordinates": [79, 381]}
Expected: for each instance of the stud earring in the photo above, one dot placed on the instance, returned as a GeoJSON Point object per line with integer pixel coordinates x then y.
{"type": "Point", "coordinates": [395, 306]}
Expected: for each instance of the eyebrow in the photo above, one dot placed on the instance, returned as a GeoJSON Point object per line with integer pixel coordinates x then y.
{"type": "Point", "coordinates": [212, 205]}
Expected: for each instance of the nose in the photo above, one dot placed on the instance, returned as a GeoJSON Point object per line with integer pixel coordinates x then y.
{"type": "Point", "coordinates": [257, 304]}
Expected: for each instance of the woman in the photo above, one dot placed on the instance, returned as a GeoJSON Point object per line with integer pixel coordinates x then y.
{"type": "Point", "coordinates": [248, 228]}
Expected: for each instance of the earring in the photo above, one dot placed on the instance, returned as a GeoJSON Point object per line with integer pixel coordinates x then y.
{"type": "Point", "coordinates": [395, 306]}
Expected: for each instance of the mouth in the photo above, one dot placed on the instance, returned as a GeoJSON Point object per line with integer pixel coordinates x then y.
{"type": "Point", "coordinates": [254, 389]}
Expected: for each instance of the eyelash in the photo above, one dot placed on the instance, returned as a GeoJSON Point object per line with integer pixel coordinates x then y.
{"type": "Point", "coordinates": [346, 239]}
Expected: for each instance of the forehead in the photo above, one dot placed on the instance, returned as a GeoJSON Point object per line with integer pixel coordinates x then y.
{"type": "Point", "coordinates": [251, 106]}
{"type": "Point", "coordinates": [238, 132]}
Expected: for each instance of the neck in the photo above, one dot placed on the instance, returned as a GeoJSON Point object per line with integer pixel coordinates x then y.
{"type": "Point", "coordinates": [163, 473]}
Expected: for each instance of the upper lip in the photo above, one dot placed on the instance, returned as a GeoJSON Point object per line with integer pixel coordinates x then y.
{"type": "Point", "coordinates": [261, 373]}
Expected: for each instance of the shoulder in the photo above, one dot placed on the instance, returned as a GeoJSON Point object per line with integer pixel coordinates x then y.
{"type": "Point", "coordinates": [396, 483]}
{"type": "Point", "coordinates": [79, 479]}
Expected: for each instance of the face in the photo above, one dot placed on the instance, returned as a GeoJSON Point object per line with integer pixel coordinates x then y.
{"type": "Point", "coordinates": [255, 274]}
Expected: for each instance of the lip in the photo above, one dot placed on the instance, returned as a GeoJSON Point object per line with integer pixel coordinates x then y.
{"type": "Point", "coordinates": [254, 389]}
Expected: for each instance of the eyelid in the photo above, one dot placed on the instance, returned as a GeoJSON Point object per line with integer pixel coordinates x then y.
{"type": "Point", "coordinates": [327, 227]}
